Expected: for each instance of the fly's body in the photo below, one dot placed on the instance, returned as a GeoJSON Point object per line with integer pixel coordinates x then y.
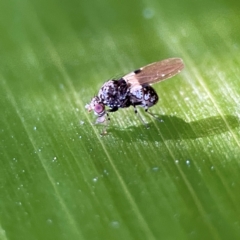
{"type": "Point", "coordinates": [119, 94]}
{"type": "Point", "coordinates": [133, 89]}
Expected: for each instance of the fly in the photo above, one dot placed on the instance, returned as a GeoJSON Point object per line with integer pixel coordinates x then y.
{"type": "Point", "coordinates": [133, 89]}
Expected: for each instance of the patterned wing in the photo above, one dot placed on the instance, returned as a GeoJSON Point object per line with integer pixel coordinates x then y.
{"type": "Point", "coordinates": [155, 72]}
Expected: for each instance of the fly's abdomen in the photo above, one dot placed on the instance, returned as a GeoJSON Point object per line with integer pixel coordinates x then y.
{"type": "Point", "coordinates": [144, 96]}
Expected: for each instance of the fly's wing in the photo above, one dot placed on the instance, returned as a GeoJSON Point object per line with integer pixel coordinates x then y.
{"type": "Point", "coordinates": [155, 72]}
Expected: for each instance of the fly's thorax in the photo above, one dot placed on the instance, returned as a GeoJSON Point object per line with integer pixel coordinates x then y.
{"type": "Point", "coordinates": [114, 93]}
{"type": "Point", "coordinates": [106, 91]}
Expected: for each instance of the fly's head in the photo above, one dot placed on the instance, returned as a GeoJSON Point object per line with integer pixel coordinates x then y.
{"type": "Point", "coordinates": [98, 108]}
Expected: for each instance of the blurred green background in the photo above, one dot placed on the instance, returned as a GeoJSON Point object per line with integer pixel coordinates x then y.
{"type": "Point", "coordinates": [60, 179]}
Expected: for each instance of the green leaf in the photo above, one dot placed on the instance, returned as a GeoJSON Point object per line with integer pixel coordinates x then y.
{"type": "Point", "coordinates": [60, 179]}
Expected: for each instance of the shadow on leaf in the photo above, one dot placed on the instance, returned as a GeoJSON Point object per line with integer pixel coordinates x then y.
{"type": "Point", "coordinates": [171, 127]}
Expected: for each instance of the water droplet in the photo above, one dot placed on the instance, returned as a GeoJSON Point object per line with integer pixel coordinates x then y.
{"type": "Point", "coordinates": [188, 162]}
{"type": "Point", "coordinates": [34, 128]}
{"type": "Point", "coordinates": [81, 122]}
{"type": "Point", "coordinates": [19, 203]}
{"type": "Point", "coordinates": [148, 13]}
{"type": "Point", "coordinates": [95, 179]}
{"type": "Point", "coordinates": [155, 169]}
{"type": "Point", "coordinates": [105, 172]}
{"type": "Point", "coordinates": [49, 221]}
{"type": "Point", "coordinates": [115, 224]}
{"type": "Point", "coordinates": [176, 161]}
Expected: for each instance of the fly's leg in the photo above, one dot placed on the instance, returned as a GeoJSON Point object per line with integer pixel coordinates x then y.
{"type": "Point", "coordinates": [139, 116]}
{"type": "Point", "coordinates": [106, 124]}
{"type": "Point", "coordinates": [107, 120]}
{"type": "Point", "coordinates": [158, 119]}
{"type": "Point", "coordinates": [104, 120]}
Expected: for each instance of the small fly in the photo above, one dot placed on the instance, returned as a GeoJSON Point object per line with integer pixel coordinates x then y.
{"type": "Point", "coordinates": [133, 89]}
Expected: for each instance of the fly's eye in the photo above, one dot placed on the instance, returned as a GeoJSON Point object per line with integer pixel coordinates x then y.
{"type": "Point", "coordinates": [99, 108]}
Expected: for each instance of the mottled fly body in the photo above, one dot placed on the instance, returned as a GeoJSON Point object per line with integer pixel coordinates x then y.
{"type": "Point", "coordinates": [133, 89]}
